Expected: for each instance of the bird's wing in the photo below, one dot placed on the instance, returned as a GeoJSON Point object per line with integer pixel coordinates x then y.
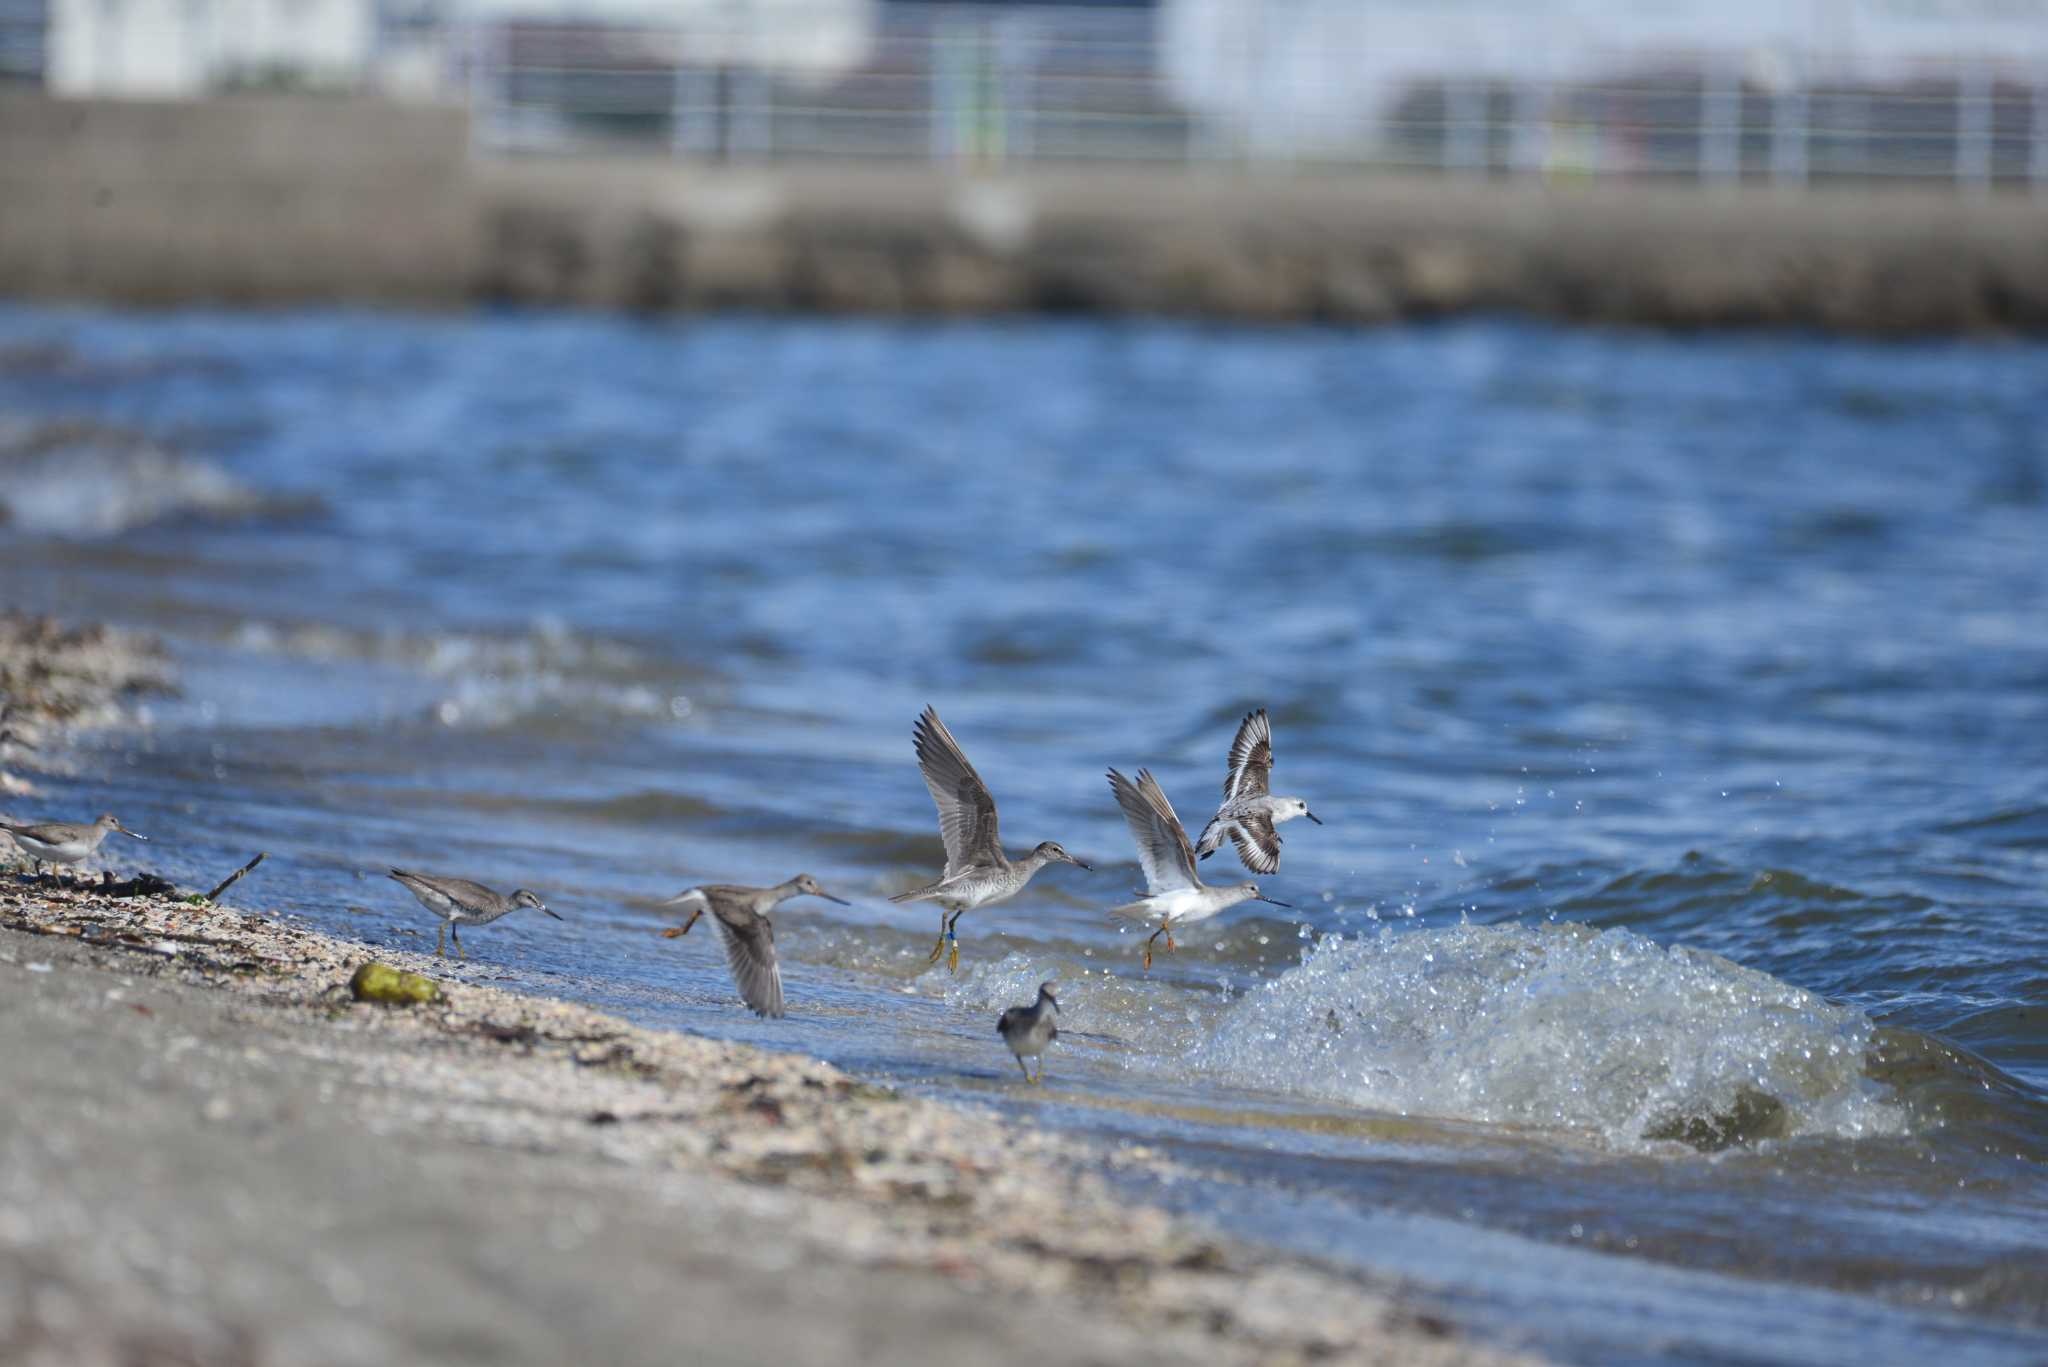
{"type": "Point", "coordinates": [50, 833]}
{"type": "Point", "coordinates": [1258, 844]}
{"type": "Point", "coordinates": [1012, 1019]}
{"type": "Point", "coordinates": [750, 954]}
{"type": "Point", "coordinates": [461, 891]}
{"type": "Point", "coordinates": [1251, 757]}
{"type": "Point", "coordinates": [967, 814]}
{"type": "Point", "coordinates": [1163, 847]}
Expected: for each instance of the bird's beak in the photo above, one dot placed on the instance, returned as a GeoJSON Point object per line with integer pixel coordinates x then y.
{"type": "Point", "coordinates": [1311, 816]}
{"type": "Point", "coordinates": [671, 901]}
{"type": "Point", "coordinates": [125, 831]}
{"type": "Point", "coordinates": [830, 898]}
{"type": "Point", "coordinates": [556, 914]}
{"type": "Point", "coordinates": [1079, 865]}
{"type": "Point", "coordinates": [1270, 902]}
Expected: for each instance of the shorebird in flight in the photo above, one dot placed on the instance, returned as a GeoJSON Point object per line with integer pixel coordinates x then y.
{"type": "Point", "coordinates": [978, 873]}
{"type": "Point", "coordinates": [1174, 893]}
{"type": "Point", "coordinates": [741, 915]}
{"type": "Point", "coordinates": [1250, 811]}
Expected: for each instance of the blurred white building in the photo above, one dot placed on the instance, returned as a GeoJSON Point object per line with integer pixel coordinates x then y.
{"type": "Point", "coordinates": [1298, 75]}
{"type": "Point", "coordinates": [413, 47]}
{"type": "Point", "coordinates": [183, 47]}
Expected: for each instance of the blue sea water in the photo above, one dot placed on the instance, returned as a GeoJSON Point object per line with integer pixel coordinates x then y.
{"type": "Point", "coordinates": [1668, 983]}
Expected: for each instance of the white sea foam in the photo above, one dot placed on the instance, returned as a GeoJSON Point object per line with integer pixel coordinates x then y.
{"type": "Point", "coordinates": [79, 479]}
{"type": "Point", "coordinates": [1601, 1032]}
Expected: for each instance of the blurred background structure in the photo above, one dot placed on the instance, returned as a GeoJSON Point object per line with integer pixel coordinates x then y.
{"type": "Point", "coordinates": [1339, 159]}
{"type": "Point", "coordinates": [1956, 90]}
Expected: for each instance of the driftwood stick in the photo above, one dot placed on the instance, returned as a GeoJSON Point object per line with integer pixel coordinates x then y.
{"type": "Point", "coordinates": [234, 877]}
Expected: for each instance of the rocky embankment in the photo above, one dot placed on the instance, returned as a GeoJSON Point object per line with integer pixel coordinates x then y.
{"type": "Point", "coordinates": [276, 200]}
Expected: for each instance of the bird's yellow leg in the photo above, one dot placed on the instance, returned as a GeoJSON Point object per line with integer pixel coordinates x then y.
{"type": "Point", "coordinates": [1023, 1068]}
{"type": "Point", "coordinates": [939, 949]}
{"type": "Point", "coordinates": [441, 941]}
{"type": "Point", "coordinates": [455, 934]}
{"type": "Point", "coordinates": [684, 929]}
{"type": "Point", "coordinates": [953, 942]}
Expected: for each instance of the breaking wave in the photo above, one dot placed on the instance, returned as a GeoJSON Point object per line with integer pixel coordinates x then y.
{"type": "Point", "coordinates": [1558, 1026]}
{"type": "Point", "coordinates": [89, 479]}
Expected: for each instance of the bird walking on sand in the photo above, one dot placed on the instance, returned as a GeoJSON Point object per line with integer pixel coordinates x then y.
{"type": "Point", "coordinates": [978, 873]}
{"type": "Point", "coordinates": [1174, 893]}
{"type": "Point", "coordinates": [741, 915]}
{"type": "Point", "coordinates": [1250, 811]}
{"type": "Point", "coordinates": [1028, 1029]}
{"type": "Point", "coordinates": [459, 902]}
{"type": "Point", "coordinates": [65, 842]}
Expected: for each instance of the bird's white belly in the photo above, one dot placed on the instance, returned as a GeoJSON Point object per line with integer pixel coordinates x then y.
{"type": "Point", "coordinates": [70, 852]}
{"type": "Point", "coordinates": [441, 906]}
{"type": "Point", "coordinates": [968, 894]}
{"type": "Point", "coordinates": [1180, 905]}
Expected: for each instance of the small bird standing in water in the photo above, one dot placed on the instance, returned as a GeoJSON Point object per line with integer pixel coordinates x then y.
{"type": "Point", "coordinates": [459, 902]}
{"type": "Point", "coordinates": [65, 842]}
{"type": "Point", "coordinates": [1250, 811]}
{"type": "Point", "coordinates": [1028, 1029]}
{"type": "Point", "coordinates": [1174, 893]}
{"type": "Point", "coordinates": [741, 914]}
{"type": "Point", "coordinates": [978, 873]}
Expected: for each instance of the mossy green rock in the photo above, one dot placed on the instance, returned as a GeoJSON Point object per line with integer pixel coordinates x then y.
{"type": "Point", "coordinates": [375, 982]}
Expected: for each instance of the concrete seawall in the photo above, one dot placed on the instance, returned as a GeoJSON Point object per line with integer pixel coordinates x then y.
{"type": "Point", "coordinates": [274, 200]}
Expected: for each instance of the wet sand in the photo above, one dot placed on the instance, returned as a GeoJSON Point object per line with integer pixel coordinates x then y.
{"type": "Point", "coordinates": [214, 1153]}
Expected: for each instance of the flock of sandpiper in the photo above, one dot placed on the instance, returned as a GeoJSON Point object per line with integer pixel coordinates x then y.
{"type": "Point", "coordinates": [977, 874]}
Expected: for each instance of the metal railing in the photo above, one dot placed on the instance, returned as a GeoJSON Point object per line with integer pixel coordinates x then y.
{"type": "Point", "coordinates": [984, 85]}
{"type": "Point", "coordinates": [1557, 89]}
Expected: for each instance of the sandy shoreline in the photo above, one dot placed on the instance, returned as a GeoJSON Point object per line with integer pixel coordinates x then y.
{"type": "Point", "coordinates": [216, 1155]}
{"type": "Point", "coordinates": [213, 1153]}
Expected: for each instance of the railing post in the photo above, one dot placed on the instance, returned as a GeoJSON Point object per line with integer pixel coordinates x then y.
{"type": "Point", "coordinates": [939, 57]}
{"type": "Point", "coordinates": [1465, 108]}
{"type": "Point", "coordinates": [753, 117]}
{"type": "Point", "coordinates": [691, 98]}
{"type": "Point", "coordinates": [1973, 126]}
{"type": "Point", "coordinates": [489, 57]}
{"type": "Point", "coordinates": [1529, 140]}
{"type": "Point", "coordinates": [1789, 131]}
{"type": "Point", "coordinates": [1720, 123]}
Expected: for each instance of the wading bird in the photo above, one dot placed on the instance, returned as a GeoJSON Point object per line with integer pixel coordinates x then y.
{"type": "Point", "coordinates": [1174, 893]}
{"type": "Point", "coordinates": [1028, 1029]}
{"type": "Point", "coordinates": [978, 873]}
{"type": "Point", "coordinates": [459, 902]}
{"type": "Point", "coordinates": [65, 842]}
